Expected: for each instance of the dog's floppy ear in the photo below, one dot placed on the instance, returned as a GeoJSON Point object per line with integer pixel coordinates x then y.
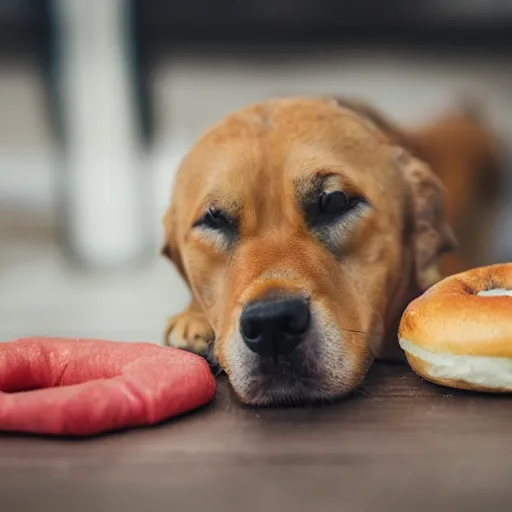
{"type": "Point", "coordinates": [430, 234]}
{"type": "Point", "coordinates": [169, 247]}
{"type": "Point", "coordinates": [166, 249]}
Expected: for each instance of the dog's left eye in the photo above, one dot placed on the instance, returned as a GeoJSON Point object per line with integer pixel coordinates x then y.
{"type": "Point", "coordinates": [214, 219]}
{"type": "Point", "coordinates": [333, 202]}
{"type": "Point", "coordinates": [331, 205]}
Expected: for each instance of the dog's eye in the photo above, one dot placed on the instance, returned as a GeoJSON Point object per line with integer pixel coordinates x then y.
{"type": "Point", "coordinates": [336, 203]}
{"type": "Point", "coordinates": [330, 206]}
{"type": "Point", "coordinates": [214, 219]}
{"type": "Point", "coordinates": [333, 202]}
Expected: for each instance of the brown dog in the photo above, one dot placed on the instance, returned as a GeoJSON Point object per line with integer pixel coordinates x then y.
{"type": "Point", "coordinates": [303, 229]}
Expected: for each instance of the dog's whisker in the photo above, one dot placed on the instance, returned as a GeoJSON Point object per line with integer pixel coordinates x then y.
{"type": "Point", "coordinates": [355, 331]}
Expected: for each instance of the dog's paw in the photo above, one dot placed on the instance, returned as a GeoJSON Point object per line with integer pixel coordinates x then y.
{"type": "Point", "coordinates": [190, 331]}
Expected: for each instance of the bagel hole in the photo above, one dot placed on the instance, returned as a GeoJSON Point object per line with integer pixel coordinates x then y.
{"type": "Point", "coordinates": [493, 288]}
{"type": "Point", "coordinates": [495, 292]}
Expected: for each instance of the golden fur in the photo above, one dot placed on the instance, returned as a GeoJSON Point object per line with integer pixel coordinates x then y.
{"type": "Point", "coordinates": [258, 164]}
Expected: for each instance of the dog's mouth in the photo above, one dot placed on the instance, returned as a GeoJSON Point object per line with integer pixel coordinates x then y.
{"type": "Point", "coordinates": [285, 390]}
{"type": "Point", "coordinates": [288, 353]}
{"type": "Point", "coordinates": [283, 386]}
{"type": "Point", "coordinates": [279, 380]}
{"type": "Point", "coordinates": [295, 379]}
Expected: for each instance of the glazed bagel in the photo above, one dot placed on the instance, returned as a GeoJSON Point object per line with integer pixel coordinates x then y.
{"type": "Point", "coordinates": [459, 332]}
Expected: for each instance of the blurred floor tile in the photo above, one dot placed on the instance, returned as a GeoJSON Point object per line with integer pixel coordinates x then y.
{"type": "Point", "coordinates": [40, 295]}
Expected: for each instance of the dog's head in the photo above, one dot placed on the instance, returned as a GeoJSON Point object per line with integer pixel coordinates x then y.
{"type": "Point", "coordinates": [302, 228]}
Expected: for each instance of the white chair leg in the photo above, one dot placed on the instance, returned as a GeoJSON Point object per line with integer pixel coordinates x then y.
{"type": "Point", "coordinates": [104, 184]}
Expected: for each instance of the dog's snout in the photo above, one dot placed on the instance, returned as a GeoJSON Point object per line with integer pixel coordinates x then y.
{"type": "Point", "coordinates": [272, 327]}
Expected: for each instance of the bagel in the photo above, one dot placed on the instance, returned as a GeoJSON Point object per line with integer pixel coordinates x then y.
{"type": "Point", "coordinates": [459, 332]}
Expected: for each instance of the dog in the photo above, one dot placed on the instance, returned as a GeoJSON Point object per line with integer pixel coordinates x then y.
{"type": "Point", "coordinates": [303, 227]}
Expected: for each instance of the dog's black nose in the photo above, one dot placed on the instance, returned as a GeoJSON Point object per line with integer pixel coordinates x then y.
{"type": "Point", "coordinates": [272, 327]}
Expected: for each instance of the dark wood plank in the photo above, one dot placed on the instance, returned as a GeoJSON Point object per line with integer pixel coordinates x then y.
{"type": "Point", "coordinates": [400, 444]}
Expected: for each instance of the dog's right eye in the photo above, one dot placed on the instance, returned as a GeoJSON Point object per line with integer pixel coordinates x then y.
{"type": "Point", "coordinates": [214, 219]}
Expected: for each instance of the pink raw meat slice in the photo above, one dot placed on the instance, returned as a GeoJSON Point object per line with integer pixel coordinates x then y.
{"type": "Point", "coordinates": [83, 387]}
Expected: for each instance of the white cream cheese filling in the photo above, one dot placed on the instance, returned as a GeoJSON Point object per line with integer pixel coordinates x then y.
{"type": "Point", "coordinates": [484, 371]}
{"type": "Point", "coordinates": [495, 292]}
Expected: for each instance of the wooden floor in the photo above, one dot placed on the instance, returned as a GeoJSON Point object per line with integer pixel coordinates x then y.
{"type": "Point", "coordinates": [402, 444]}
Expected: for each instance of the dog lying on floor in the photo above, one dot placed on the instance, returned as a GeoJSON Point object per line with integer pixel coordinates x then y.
{"type": "Point", "coordinates": [303, 228]}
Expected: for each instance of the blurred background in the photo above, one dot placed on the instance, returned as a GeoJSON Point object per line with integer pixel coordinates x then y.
{"type": "Point", "coordinates": [99, 100]}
